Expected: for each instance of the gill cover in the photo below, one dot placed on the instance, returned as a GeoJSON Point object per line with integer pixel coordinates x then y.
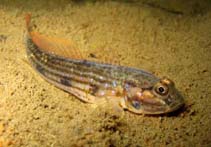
{"type": "Point", "coordinates": [161, 98]}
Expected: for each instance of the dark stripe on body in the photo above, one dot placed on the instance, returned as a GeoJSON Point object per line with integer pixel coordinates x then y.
{"type": "Point", "coordinates": [36, 56]}
{"type": "Point", "coordinates": [100, 73]}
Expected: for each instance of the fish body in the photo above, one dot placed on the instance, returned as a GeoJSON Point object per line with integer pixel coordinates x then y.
{"type": "Point", "coordinates": [136, 90]}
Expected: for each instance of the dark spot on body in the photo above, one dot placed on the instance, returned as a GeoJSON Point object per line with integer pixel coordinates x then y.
{"type": "Point", "coordinates": [65, 81]}
{"type": "Point", "coordinates": [94, 89]}
{"type": "Point", "coordinates": [86, 63]}
{"type": "Point", "coordinates": [136, 104]}
{"type": "Point", "coordinates": [40, 69]}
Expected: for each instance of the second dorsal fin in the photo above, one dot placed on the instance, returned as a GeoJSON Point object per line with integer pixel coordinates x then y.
{"type": "Point", "coordinates": [61, 47]}
{"type": "Point", "coordinates": [56, 46]}
{"type": "Point", "coordinates": [66, 48]}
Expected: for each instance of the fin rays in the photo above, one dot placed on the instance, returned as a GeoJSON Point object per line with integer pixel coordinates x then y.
{"type": "Point", "coordinates": [62, 47]}
{"type": "Point", "coordinates": [52, 45]}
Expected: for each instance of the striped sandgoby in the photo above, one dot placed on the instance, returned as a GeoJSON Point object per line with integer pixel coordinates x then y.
{"type": "Point", "coordinates": [136, 90]}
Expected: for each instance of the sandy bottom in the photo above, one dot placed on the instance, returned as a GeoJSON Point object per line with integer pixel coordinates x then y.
{"type": "Point", "coordinates": [35, 113]}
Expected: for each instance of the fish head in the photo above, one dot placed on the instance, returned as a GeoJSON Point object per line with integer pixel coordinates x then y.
{"type": "Point", "coordinates": [161, 98]}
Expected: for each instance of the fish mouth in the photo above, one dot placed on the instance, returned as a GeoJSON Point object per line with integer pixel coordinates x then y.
{"type": "Point", "coordinates": [174, 103]}
{"type": "Point", "coordinates": [150, 107]}
{"type": "Point", "coordinates": [155, 110]}
{"type": "Point", "coordinates": [157, 106]}
{"type": "Point", "coordinates": [175, 106]}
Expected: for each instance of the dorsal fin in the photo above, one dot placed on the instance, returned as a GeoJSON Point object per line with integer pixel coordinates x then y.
{"type": "Point", "coordinates": [52, 45]}
{"type": "Point", "coordinates": [65, 48]}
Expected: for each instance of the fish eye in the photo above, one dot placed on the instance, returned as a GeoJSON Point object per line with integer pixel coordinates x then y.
{"type": "Point", "coordinates": [136, 104]}
{"type": "Point", "coordinates": [161, 89]}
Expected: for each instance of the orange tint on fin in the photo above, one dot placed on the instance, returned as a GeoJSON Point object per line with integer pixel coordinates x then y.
{"type": "Point", "coordinates": [51, 45]}
{"type": "Point", "coordinates": [56, 46]}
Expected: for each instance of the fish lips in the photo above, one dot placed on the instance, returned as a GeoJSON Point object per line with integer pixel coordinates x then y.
{"type": "Point", "coordinates": [155, 106]}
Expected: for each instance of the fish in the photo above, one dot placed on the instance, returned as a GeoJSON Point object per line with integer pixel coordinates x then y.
{"type": "Point", "coordinates": [60, 63]}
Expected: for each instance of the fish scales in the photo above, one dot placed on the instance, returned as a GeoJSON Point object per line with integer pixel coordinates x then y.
{"type": "Point", "coordinates": [136, 90]}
